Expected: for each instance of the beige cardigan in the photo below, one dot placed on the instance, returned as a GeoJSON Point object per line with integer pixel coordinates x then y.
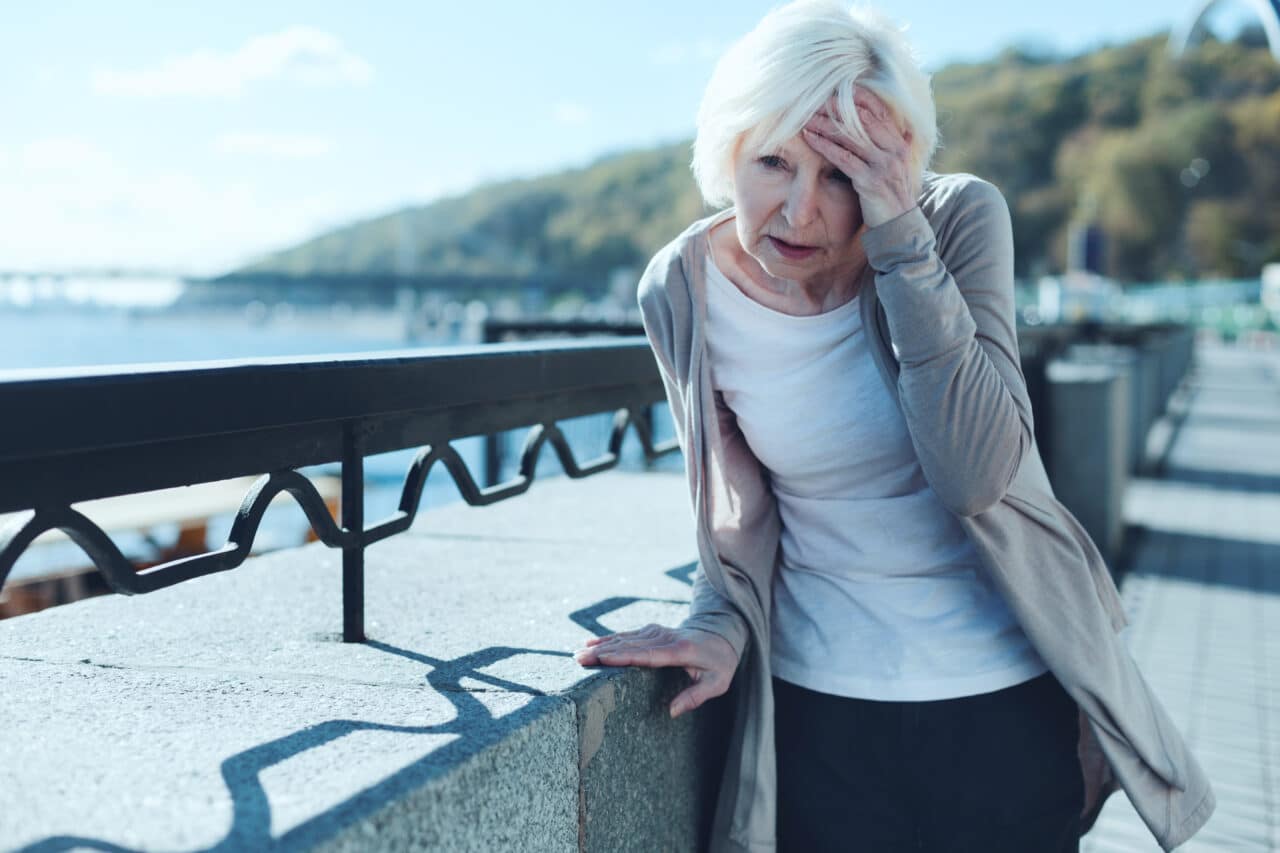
{"type": "Point", "coordinates": [940, 317]}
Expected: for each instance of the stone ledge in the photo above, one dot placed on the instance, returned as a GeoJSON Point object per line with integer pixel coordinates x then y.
{"type": "Point", "coordinates": [224, 711]}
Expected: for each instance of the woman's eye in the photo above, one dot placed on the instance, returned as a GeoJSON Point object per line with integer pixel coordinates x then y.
{"type": "Point", "coordinates": [772, 161]}
{"type": "Point", "coordinates": [840, 177]}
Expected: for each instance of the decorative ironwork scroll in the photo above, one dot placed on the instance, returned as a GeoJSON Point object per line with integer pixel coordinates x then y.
{"type": "Point", "coordinates": [125, 578]}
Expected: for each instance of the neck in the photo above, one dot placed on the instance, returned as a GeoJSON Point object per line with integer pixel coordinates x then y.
{"type": "Point", "coordinates": [798, 297]}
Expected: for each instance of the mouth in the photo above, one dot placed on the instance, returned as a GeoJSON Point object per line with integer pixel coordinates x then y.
{"type": "Point", "coordinates": [791, 251]}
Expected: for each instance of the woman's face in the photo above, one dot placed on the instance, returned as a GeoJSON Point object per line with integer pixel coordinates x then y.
{"type": "Point", "coordinates": [797, 214]}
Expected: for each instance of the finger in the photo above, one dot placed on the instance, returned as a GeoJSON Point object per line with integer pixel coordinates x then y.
{"type": "Point", "coordinates": [849, 161]}
{"type": "Point", "coordinates": [864, 97]}
{"type": "Point", "coordinates": [883, 134]}
{"type": "Point", "coordinates": [648, 632]}
{"type": "Point", "coordinates": [827, 126]}
{"type": "Point", "coordinates": [693, 697]}
{"type": "Point", "coordinates": [630, 657]}
{"type": "Point", "coordinates": [881, 125]}
{"type": "Point", "coordinates": [651, 654]}
{"type": "Point", "coordinates": [588, 653]}
{"type": "Point", "coordinates": [842, 152]}
{"type": "Point", "coordinates": [592, 652]}
{"type": "Point", "coordinates": [869, 146]}
{"type": "Point", "coordinates": [648, 635]}
{"type": "Point", "coordinates": [598, 655]}
{"type": "Point", "coordinates": [835, 134]}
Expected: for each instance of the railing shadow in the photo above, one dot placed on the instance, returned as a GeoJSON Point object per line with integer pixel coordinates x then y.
{"type": "Point", "coordinates": [589, 617]}
{"type": "Point", "coordinates": [1191, 544]}
{"type": "Point", "coordinates": [1240, 481]}
{"type": "Point", "coordinates": [1208, 560]}
{"type": "Point", "coordinates": [476, 726]}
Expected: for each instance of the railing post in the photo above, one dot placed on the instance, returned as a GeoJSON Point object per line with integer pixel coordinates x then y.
{"type": "Point", "coordinates": [353, 523]}
{"type": "Point", "coordinates": [493, 458]}
{"type": "Point", "coordinates": [492, 334]}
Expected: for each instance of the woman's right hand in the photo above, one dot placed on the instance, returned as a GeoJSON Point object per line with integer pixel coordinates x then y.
{"type": "Point", "coordinates": [707, 658]}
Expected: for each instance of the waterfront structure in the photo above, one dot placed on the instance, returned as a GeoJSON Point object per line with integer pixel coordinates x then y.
{"type": "Point", "coordinates": [1267, 12]}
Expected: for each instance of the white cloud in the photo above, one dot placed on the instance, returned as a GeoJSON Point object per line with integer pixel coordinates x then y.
{"type": "Point", "coordinates": [681, 52]}
{"type": "Point", "coordinates": [292, 146]}
{"type": "Point", "coordinates": [301, 54]}
{"type": "Point", "coordinates": [569, 112]}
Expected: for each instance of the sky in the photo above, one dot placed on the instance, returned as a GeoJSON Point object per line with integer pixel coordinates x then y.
{"type": "Point", "coordinates": [193, 138]}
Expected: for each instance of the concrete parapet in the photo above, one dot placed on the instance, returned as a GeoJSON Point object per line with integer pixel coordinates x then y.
{"type": "Point", "coordinates": [225, 712]}
{"type": "Point", "coordinates": [1088, 452]}
{"type": "Point", "coordinates": [646, 783]}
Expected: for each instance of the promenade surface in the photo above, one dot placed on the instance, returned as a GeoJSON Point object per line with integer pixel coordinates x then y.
{"type": "Point", "coordinates": [1203, 595]}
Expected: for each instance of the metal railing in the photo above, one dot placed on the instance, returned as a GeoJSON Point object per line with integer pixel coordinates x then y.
{"type": "Point", "coordinates": [497, 331]}
{"type": "Point", "coordinates": [73, 435]}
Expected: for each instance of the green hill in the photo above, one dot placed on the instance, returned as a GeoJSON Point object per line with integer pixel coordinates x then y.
{"type": "Point", "coordinates": [566, 229]}
{"type": "Point", "coordinates": [1179, 163]}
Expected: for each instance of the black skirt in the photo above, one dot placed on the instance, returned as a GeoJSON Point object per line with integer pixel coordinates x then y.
{"type": "Point", "coordinates": [987, 773]}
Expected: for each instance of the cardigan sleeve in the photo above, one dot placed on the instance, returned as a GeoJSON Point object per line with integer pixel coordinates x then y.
{"type": "Point", "coordinates": [709, 611]}
{"type": "Point", "coordinates": [951, 318]}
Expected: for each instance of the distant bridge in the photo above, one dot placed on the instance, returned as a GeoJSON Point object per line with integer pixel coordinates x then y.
{"type": "Point", "coordinates": [1267, 12]}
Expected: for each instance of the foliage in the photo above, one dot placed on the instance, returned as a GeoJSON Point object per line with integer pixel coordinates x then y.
{"type": "Point", "coordinates": [1107, 137]}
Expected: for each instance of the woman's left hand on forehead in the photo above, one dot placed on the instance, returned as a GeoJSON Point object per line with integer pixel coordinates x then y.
{"type": "Point", "coordinates": [880, 170]}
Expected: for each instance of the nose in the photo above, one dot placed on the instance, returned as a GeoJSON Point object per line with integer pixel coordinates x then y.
{"type": "Point", "coordinates": [801, 206]}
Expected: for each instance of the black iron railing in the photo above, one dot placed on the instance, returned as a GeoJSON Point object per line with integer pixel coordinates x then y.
{"type": "Point", "coordinates": [497, 331]}
{"type": "Point", "coordinates": [73, 435]}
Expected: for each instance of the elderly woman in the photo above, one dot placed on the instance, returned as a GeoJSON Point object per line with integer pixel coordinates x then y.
{"type": "Point", "coordinates": [922, 641]}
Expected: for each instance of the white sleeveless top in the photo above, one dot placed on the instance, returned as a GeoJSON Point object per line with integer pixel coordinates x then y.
{"type": "Point", "coordinates": [879, 594]}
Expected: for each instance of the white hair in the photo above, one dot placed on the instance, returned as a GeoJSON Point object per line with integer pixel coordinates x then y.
{"type": "Point", "coordinates": [771, 81]}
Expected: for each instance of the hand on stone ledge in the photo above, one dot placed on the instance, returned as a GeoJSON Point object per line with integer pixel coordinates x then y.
{"type": "Point", "coordinates": [707, 658]}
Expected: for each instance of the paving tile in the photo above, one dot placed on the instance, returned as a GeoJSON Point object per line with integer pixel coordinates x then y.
{"type": "Point", "coordinates": [1233, 811]}
{"type": "Point", "coordinates": [1203, 599]}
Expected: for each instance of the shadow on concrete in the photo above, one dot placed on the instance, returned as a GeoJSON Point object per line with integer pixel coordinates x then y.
{"type": "Point", "coordinates": [589, 617]}
{"type": "Point", "coordinates": [684, 573]}
{"type": "Point", "coordinates": [1208, 560]}
{"type": "Point", "coordinates": [1264, 422]}
{"type": "Point", "coordinates": [241, 773]}
{"type": "Point", "coordinates": [475, 725]}
{"type": "Point", "coordinates": [1241, 481]}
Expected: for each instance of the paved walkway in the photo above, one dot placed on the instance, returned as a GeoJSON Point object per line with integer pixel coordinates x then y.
{"type": "Point", "coordinates": [1204, 598]}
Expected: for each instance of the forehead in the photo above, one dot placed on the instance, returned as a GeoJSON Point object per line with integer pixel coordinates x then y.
{"type": "Point", "coordinates": [793, 148]}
